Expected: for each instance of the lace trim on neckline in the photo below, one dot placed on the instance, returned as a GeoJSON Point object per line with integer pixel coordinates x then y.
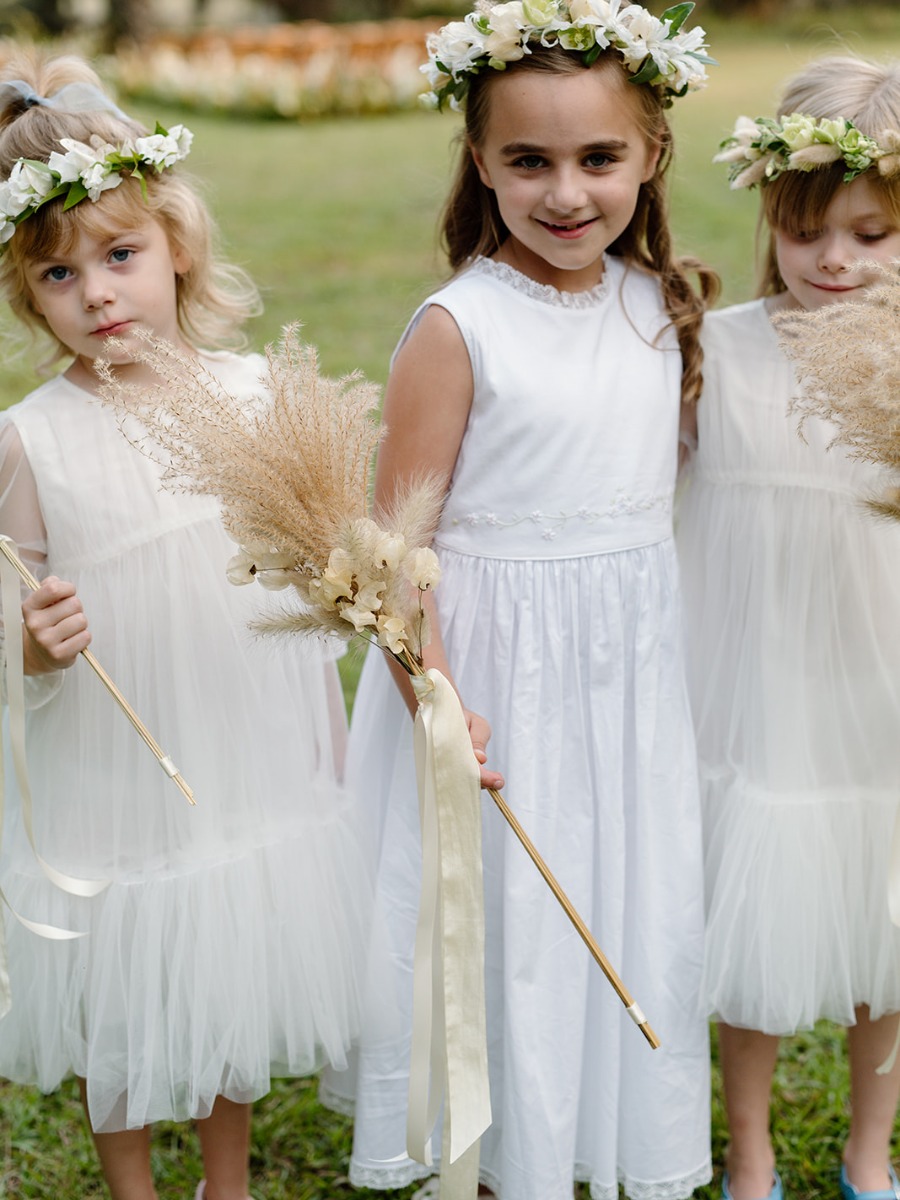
{"type": "Point", "coordinates": [544, 292]}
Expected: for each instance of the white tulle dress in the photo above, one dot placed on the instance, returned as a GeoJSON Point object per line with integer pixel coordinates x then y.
{"type": "Point", "coordinates": [792, 595]}
{"type": "Point", "coordinates": [559, 604]}
{"type": "Point", "coordinates": [228, 947]}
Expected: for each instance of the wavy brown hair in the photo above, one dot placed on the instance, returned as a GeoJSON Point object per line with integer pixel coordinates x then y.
{"type": "Point", "coordinates": [214, 298]}
{"type": "Point", "coordinates": [472, 224]}
{"type": "Point", "coordinates": [864, 92]}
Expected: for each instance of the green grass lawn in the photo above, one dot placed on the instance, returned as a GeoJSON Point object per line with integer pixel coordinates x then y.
{"type": "Point", "coordinates": [336, 221]}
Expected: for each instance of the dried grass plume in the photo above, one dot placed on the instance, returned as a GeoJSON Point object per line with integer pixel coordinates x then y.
{"type": "Point", "coordinates": [847, 358]}
{"type": "Point", "coordinates": [291, 469]}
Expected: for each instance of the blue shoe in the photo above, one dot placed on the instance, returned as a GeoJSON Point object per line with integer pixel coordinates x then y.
{"type": "Point", "coordinates": [777, 1192]}
{"type": "Point", "coordinates": [849, 1192]}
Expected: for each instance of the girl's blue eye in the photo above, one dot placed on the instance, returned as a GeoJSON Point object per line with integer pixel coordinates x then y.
{"type": "Point", "coordinates": [597, 160]}
{"type": "Point", "coordinates": [121, 254]}
{"type": "Point", "coordinates": [57, 274]}
{"type": "Point", "coordinates": [530, 162]}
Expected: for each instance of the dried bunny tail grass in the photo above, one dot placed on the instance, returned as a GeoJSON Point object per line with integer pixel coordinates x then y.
{"type": "Point", "coordinates": [283, 621]}
{"type": "Point", "coordinates": [414, 514]}
{"type": "Point", "coordinates": [887, 506]}
{"type": "Point", "coordinates": [847, 358]}
{"type": "Point", "coordinates": [415, 510]}
{"type": "Point", "coordinates": [290, 467]}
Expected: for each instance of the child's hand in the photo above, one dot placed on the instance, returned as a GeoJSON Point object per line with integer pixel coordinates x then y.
{"type": "Point", "coordinates": [480, 733]}
{"type": "Point", "coordinates": [56, 629]}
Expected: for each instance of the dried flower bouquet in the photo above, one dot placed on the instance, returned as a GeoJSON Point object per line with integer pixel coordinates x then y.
{"type": "Point", "coordinates": [291, 472]}
{"type": "Point", "coordinates": [847, 358]}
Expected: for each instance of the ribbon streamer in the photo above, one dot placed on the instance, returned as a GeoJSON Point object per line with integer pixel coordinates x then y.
{"type": "Point", "coordinates": [449, 1040]}
{"type": "Point", "coordinates": [11, 608]}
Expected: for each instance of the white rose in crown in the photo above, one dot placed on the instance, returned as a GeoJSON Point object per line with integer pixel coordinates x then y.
{"type": "Point", "coordinates": [28, 184]}
{"type": "Point", "coordinates": [504, 43]}
{"type": "Point", "coordinates": [639, 35]}
{"type": "Point", "coordinates": [160, 150]}
{"type": "Point", "coordinates": [78, 159]}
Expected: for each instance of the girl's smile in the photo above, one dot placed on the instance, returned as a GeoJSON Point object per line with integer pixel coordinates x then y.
{"type": "Point", "coordinates": [568, 231]}
{"type": "Point", "coordinates": [821, 266]}
{"type": "Point", "coordinates": [565, 156]}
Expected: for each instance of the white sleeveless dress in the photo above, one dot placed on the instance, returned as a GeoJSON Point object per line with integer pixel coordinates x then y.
{"type": "Point", "coordinates": [792, 595]}
{"type": "Point", "coordinates": [559, 604]}
{"type": "Point", "coordinates": [227, 948]}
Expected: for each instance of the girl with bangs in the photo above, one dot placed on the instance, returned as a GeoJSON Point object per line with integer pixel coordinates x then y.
{"type": "Point", "coordinates": [226, 948]}
{"type": "Point", "coordinates": [792, 594]}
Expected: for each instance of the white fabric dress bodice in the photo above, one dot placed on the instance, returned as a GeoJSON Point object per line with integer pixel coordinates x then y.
{"type": "Point", "coordinates": [526, 488]}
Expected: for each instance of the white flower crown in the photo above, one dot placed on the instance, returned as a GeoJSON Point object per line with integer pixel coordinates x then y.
{"type": "Point", "coordinates": [84, 172]}
{"type": "Point", "coordinates": [762, 149]}
{"type": "Point", "coordinates": [654, 49]}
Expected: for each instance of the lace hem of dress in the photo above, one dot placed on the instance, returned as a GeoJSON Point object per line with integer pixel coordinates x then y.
{"type": "Point", "coordinates": [665, 1189]}
{"type": "Point", "coordinates": [407, 1172]}
{"type": "Point", "coordinates": [544, 292]}
{"type": "Point", "coordinates": [388, 1177]}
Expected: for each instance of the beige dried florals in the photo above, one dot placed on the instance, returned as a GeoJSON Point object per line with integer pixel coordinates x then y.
{"type": "Point", "coordinates": [847, 358]}
{"type": "Point", "coordinates": [291, 469]}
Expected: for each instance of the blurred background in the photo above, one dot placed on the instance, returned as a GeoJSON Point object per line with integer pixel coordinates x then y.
{"type": "Point", "coordinates": [326, 175]}
{"type": "Point", "coordinates": [327, 180]}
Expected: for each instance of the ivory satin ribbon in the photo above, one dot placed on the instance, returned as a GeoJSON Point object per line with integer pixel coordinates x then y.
{"type": "Point", "coordinates": [449, 1039]}
{"type": "Point", "coordinates": [11, 609]}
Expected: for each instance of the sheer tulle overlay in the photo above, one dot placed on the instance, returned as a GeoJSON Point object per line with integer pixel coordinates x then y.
{"type": "Point", "coordinates": [559, 604]}
{"type": "Point", "coordinates": [231, 941]}
{"type": "Point", "coordinates": [792, 590]}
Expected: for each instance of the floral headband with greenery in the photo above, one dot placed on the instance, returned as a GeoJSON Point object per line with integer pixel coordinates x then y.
{"type": "Point", "coordinates": [760, 150]}
{"type": "Point", "coordinates": [654, 49]}
{"type": "Point", "coordinates": [84, 172]}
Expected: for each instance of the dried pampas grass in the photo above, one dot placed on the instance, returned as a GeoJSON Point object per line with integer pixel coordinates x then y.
{"type": "Point", "coordinates": [847, 358]}
{"type": "Point", "coordinates": [291, 469]}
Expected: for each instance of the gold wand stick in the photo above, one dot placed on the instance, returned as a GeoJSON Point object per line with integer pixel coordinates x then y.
{"type": "Point", "coordinates": [571, 912]}
{"type": "Point", "coordinates": [162, 758]}
{"type": "Point", "coordinates": [410, 664]}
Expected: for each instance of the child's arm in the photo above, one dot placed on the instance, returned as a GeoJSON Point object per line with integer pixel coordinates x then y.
{"type": "Point", "coordinates": [426, 407]}
{"type": "Point", "coordinates": [55, 630]}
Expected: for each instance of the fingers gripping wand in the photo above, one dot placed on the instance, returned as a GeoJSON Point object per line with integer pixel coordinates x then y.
{"type": "Point", "coordinates": [161, 757]}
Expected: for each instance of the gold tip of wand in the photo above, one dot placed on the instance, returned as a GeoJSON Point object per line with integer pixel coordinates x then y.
{"type": "Point", "coordinates": [648, 1033]}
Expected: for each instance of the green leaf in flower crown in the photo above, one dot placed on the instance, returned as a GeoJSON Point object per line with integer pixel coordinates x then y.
{"type": "Point", "coordinates": [677, 15]}
{"type": "Point", "coordinates": [591, 56]}
{"type": "Point", "coordinates": [139, 175]}
{"type": "Point", "coordinates": [161, 129]}
{"type": "Point", "coordinates": [60, 190]}
{"type": "Point", "coordinates": [647, 73]}
{"type": "Point", "coordinates": [77, 193]}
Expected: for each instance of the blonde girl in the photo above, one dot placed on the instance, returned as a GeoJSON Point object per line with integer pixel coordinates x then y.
{"type": "Point", "coordinates": [542, 385]}
{"type": "Point", "coordinates": [792, 593]}
{"type": "Point", "coordinates": [223, 950]}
